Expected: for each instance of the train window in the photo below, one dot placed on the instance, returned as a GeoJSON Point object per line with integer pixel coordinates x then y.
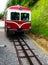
{"type": "Point", "coordinates": [14, 16]}
{"type": "Point", "coordinates": [25, 16]}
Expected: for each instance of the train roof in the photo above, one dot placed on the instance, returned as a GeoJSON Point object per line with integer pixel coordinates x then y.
{"type": "Point", "coordinates": [18, 7]}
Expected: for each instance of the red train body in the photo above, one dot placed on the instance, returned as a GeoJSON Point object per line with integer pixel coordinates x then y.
{"type": "Point", "coordinates": [17, 19]}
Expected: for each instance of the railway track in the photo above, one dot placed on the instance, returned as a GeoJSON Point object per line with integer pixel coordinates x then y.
{"type": "Point", "coordinates": [25, 54]}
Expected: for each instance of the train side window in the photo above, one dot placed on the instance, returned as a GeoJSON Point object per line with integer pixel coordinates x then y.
{"type": "Point", "coordinates": [14, 16]}
{"type": "Point", "coordinates": [25, 16]}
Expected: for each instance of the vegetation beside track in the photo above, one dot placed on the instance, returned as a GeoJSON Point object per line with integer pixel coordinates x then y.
{"type": "Point", "coordinates": [40, 18]}
{"type": "Point", "coordinates": [1, 15]}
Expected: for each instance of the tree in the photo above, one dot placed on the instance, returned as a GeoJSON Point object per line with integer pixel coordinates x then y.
{"type": "Point", "coordinates": [11, 3]}
{"type": "Point", "coordinates": [1, 15]}
{"type": "Point", "coordinates": [21, 2]}
{"type": "Point", "coordinates": [32, 2]}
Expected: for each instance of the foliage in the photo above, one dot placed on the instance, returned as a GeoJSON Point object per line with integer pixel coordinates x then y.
{"type": "Point", "coordinates": [11, 3]}
{"type": "Point", "coordinates": [40, 18]}
{"type": "Point", "coordinates": [1, 15]}
{"type": "Point", "coordinates": [21, 2]}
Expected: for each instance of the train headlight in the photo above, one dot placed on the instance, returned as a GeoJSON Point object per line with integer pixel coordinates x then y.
{"type": "Point", "coordinates": [30, 27]}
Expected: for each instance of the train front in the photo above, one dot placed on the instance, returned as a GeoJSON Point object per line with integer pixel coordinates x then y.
{"type": "Point", "coordinates": [18, 19]}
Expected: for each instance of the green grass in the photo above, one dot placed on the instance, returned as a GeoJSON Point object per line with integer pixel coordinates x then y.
{"type": "Point", "coordinates": [40, 18]}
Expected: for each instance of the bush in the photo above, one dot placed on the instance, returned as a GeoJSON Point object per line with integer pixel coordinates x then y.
{"type": "Point", "coordinates": [1, 15]}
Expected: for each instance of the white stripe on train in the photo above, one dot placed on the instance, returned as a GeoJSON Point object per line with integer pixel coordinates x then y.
{"type": "Point", "coordinates": [18, 24]}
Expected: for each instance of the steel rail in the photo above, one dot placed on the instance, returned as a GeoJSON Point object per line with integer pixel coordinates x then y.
{"type": "Point", "coordinates": [27, 56]}
{"type": "Point", "coordinates": [17, 52]}
{"type": "Point", "coordinates": [31, 51]}
{"type": "Point", "coordinates": [20, 40]}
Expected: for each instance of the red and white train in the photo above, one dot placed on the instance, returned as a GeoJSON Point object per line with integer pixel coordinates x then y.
{"type": "Point", "coordinates": [17, 19]}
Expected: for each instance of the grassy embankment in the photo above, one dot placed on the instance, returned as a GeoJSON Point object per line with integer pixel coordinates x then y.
{"type": "Point", "coordinates": [40, 18]}
{"type": "Point", "coordinates": [40, 23]}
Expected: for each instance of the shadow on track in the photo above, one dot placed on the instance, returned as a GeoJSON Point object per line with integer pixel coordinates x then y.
{"type": "Point", "coordinates": [12, 37]}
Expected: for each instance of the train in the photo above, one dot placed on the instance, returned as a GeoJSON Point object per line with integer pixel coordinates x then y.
{"type": "Point", "coordinates": [17, 19]}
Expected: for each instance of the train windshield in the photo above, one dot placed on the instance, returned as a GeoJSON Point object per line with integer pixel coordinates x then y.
{"type": "Point", "coordinates": [25, 16]}
{"type": "Point", "coordinates": [14, 16]}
